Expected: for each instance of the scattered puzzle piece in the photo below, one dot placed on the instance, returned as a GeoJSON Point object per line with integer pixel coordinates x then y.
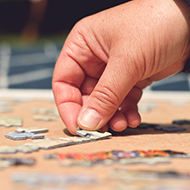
{"type": "Point", "coordinates": [166, 128]}
{"type": "Point", "coordinates": [31, 130]}
{"type": "Point", "coordinates": [43, 111]}
{"type": "Point", "coordinates": [174, 129]}
{"type": "Point", "coordinates": [37, 179]}
{"type": "Point", "coordinates": [181, 122]}
{"type": "Point", "coordinates": [7, 150]}
{"type": "Point", "coordinates": [19, 161]}
{"type": "Point", "coordinates": [54, 111]}
{"type": "Point", "coordinates": [149, 161]}
{"type": "Point", "coordinates": [135, 176]}
{"type": "Point", "coordinates": [39, 111]}
{"type": "Point", "coordinates": [5, 109]}
{"type": "Point", "coordinates": [19, 148]}
{"type": "Point", "coordinates": [23, 136]}
{"type": "Point", "coordinates": [9, 121]}
{"type": "Point", "coordinates": [48, 143]}
{"type": "Point", "coordinates": [44, 118]}
{"type": "Point", "coordinates": [7, 162]}
{"type": "Point", "coordinates": [4, 164]}
{"type": "Point", "coordinates": [147, 107]}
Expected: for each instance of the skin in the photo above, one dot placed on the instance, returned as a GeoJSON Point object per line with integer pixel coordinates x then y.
{"type": "Point", "coordinates": [108, 58]}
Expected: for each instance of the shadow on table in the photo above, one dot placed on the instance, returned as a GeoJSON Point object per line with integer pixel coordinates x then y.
{"type": "Point", "coordinates": [149, 130]}
{"type": "Point", "coordinates": [141, 130]}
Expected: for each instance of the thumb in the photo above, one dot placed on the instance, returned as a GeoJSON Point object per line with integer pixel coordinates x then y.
{"type": "Point", "coordinates": [115, 83]}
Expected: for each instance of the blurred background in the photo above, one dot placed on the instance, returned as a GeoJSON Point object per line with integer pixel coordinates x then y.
{"type": "Point", "coordinates": [32, 33]}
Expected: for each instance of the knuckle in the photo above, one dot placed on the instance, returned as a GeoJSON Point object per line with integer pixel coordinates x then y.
{"type": "Point", "coordinates": [106, 99]}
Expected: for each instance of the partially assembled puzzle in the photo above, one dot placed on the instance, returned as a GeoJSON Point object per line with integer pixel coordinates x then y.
{"type": "Point", "coordinates": [48, 143]}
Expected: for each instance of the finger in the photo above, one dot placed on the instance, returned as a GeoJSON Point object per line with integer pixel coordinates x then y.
{"type": "Point", "coordinates": [66, 83]}
{"type": "Point", "coordinates": [69, 113]}
{"type": "Point", "coordinates": [127, 115]}
{"type": "Point", "coordinates": [88, 85]}
{"type": "Point", "coordinates": [118, 122]}
{"type": "Point", "coordinates": [104, 128]}
{"type": "Point", "coordinates": [133, 118]}
{"type": "Point", "coordinates": [116, 81]}
{"type": "Point", "coordinates": [129, 107]}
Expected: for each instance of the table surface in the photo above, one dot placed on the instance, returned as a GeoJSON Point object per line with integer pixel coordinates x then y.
{"type": "Point", "coordinates": [168, 107]}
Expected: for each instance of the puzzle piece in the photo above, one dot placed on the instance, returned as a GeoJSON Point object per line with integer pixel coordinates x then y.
{"type": "Point", "coordinates": [19, 161]}
{"type": "Point", "coordinates": [7, 162]}
{"type": "Point", "coordinates": [37, 179]}
{"type": "Point", "coordinates": [4, 164]}
{"type": "Point", "coordinates": [25, 149]}
{"type": "Point", "coordinates": [9, 121]}
{"type": "Point", "coordinates": [54, 111]}
{"type": "Point", "coordinates": [31, 130]}
{"type": "Point", "coordinates": [19, 148]}
{"type": "Point", "coordinates": [147, 107]}
{"type": "Point", "coordinates": [39, 111]}
{"type": "Point", "coordinates": [50, 156]}
{"type": "Point", "coordinates": [149, 161]}
{"type": "Point", "coordinates": [123, 174]}
{"type": "Point", "coordinates": [44, 118]}
{"type": "Point", "coordinates": [46, 144]}
{"type": "Point", "coordinates": [176, 154]}
{"type": "Point", "coordinates": [43, 111]}
{"type": "Point", "coordinates": [174, 129]}
{"type": "Point", "coordinates": [5, 109]}
{"type": "Point", "coordinates": [23, 136]}
{"type": "Point", "coordinates": [93, 135]}
{"type": "Point", "coordinates": [7, 150]}
{"type": "Point", "coordinates": [49, 143]}
{"type": "Point", "coordinates": [181, 122]}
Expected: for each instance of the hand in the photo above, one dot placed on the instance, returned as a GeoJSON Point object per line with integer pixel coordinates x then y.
{"type": "Point", "coordinates": [108, 58]}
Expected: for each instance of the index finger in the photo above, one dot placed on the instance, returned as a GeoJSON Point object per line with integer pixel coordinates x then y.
{"type": "Point", "coordinates": [67, 79]}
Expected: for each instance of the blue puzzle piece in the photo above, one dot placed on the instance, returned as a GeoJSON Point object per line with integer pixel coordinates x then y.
{"type": "Point", "coordinates": [24, 136]}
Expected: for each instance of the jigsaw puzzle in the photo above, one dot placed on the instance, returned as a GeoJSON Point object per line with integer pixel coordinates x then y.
{"type": "Point", "coordinates": [151, 157]}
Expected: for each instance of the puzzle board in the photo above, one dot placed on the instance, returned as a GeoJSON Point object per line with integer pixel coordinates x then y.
{"type": "Point", "coordinates": [168, 107]}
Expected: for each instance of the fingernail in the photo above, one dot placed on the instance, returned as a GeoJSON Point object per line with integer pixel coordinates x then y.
{"type": "Point", "coordinates": [89, 119]}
